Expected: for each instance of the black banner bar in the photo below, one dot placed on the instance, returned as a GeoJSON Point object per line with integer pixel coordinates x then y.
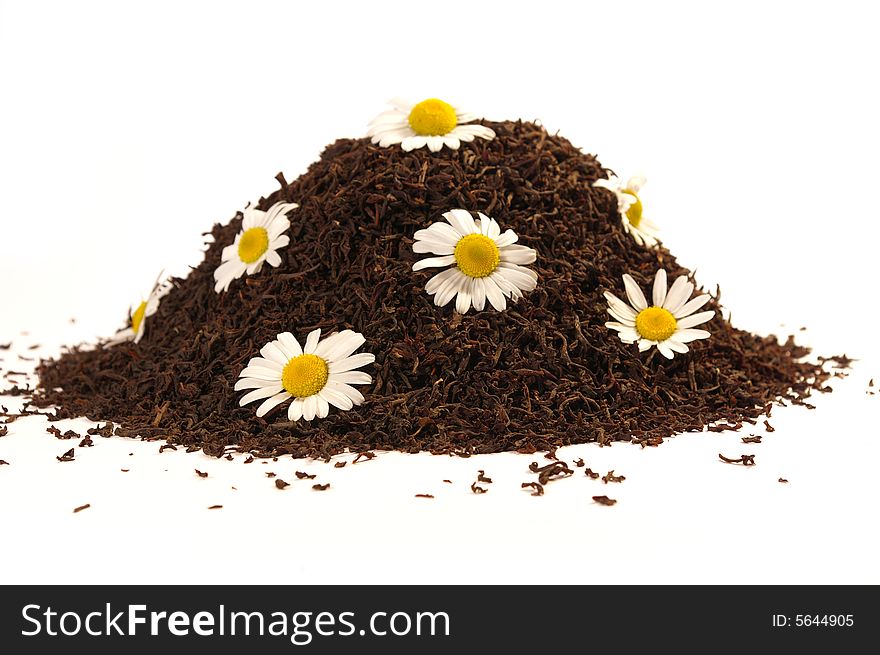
{"type": "Point", "coordinates": [318, 619]}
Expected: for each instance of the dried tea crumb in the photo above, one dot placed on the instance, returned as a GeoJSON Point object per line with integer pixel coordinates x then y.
{"type": "Point", "coordinates": [281, 483]}
{"type": "Point", "coordinates": [124, 470]}
{"type": "Point", "coordinates": [478, 490]}
{"type": "Point", "coordinates": [201, 474]}
{"type": "Point", "coordinates": [339, 465]}
{"type": "Point", "coordinates": [783, 480]}
{"type": "Point", "coordinates": [579, 462]}
{"type": "Point", "coordinates": [448, 481]}
{"type": "Point", "coordinates": [424, 495]}
{"type": "Point", "coordinates": [769, 427]}
{"type": "Point", "coordinates": [216, 507]}
{"type": "Point", "coordinates": [366, 455]}
{"type": "Point", "coordinates": [302, 475]}
{"type": "Point", "coordinates": [3, 462]}
{"type": "Point", "coordinates": [591, 474]}
{"type": "Point", "coordinates": [167, 446]}
{"type": "Point", "coordinates": [249, 459]}
{"type": "Point", "coordinates": [751, 439]}
{"type": "Point", "coordinates": [81, 508]}
{"type": "Point", "coordinates": [481, 477]}
{"type": "Point", "coordinates": [321, 487]}
{"type": "Point", "coordinates": [270, 474]}
{"type": "Point", "coordinates": [604, 500]}
{"type": "Point", "coordinates": [86, 442]}
{"type": "Point", "coordinates": [745, 460]}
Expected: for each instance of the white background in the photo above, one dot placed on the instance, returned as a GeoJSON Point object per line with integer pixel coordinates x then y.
{"type": "Point", "coordinates": [127, 130]}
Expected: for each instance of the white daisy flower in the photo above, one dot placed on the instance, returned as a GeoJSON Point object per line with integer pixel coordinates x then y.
{"type": "Point", "coordinates": [315, 376]}
{"type": "Point", "coordinates": [667, 324]}
{"type": "Point", "coordinates": [431, 123]}
{"type": "Point", "coordinates": [260, 239]}
{"type": "Point", "coordinates": [630, 207]}
{"type": "Point", "coordinates": [140, 313]}
{"type": "Point", "coordinates": [486, 262]}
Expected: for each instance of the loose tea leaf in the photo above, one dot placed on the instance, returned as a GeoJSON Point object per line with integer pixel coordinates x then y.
{"type": "Point", "coordinates": [216, 507]}
{"type": "Point", "coordinates": [201, 474]}
{"type": "Point", "coordinates": [604, 500]}
{"type": "Point", "coordinates": [302, 475]}
{"type": "Point", "coordinates": [543, 374]}
{"type": "Point", "coordinates": [477, 489]}
{"type": "Point", "coordinates": [321, 487]}
{"type": "Point", "coordinates": [281, 483]}
{"type": "Point", "coordinates": [339, 465]}
{"type": "Point", "coordinates": [167, 446]}
{"type": "Point", "coordinates": [591, 474]}
{"type": "Point", "coordinates": [783, 480]}
{"type": "Point", "coordinates": [745, 460]}
{"type": "Point", "coordinates": [610, 477]}
{"type": "Point", "coordinates": [81, 508]}
{"type": "Point", "coordinates": [751, 439]}
{"type": "Point", "coordinates": [424, 496]}
{"type": "Point", "coordinates": [270, 474]}
{"type": "Point", "coordinates": [537, 486]}
{"type": "Point", "coordinates": [481, 477]}
{"type": "Point", "coordinates": [66, 457]}
{"type": "Point", "coordinates": [4, 462]}
{"type": "Point", "coordinates": [579, 462]}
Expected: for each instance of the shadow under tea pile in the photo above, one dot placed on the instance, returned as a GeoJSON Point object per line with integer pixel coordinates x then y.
{"type": "Point", "coordinates": [544, 373]}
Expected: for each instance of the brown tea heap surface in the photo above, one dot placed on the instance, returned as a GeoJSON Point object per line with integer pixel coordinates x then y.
{"type": "Point", "coordinates": [544, 373]}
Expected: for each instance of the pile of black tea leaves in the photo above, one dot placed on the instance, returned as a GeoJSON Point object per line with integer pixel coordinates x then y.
{"type": "Point", "coordinates": [543, 374]}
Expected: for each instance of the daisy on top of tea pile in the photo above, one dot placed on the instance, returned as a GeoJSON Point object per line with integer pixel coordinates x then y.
{"type": "Point", "coordinates": [313, 376]}
{"type": "Point", "coordinates": [630, 207]}
{"type": "Point", "coordinates": [140, 313]}
{"type": "Point", "coordinates": [432, 122]}
{"type": "Point", "coordinates": [667, 324]}
{"type": "Point", "coordinates": [260, 238]}
{"type": "Point", "coordinates": [485, 264]}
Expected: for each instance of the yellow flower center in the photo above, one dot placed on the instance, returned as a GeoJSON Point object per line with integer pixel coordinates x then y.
{"type": "Point", "coordinates": [656, 323]}
{"type": "Point", "coordinates": [253, 244]}
{"type": "Point", "coordinates": [476, 255]}
{"type": "Point", "coordinates": [137, 317]}
{"type": "Point", "coordinates": [634, 212]}
{"type": "Point", "coordinates": [432, 117]}
{"type": "Point", "coordinates": [304, 376]}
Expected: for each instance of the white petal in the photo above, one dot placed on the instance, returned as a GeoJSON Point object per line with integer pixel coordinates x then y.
{"type": "Point", "coordinates": [288, 343]}
{"type": "Point", "coordinates": [434, 262]}
{"type": "Point", "coordinates": [522, 278]}
{"type": "Point", "coordinates": [440, 231]}
{"type": "Point", "coordinates": [347, 342]}
{"type": "Point", "coordinates": [493, 294]}
{"type": "Point", "coordinates": [434, 247]}
{"type": "Point", "coordinates": [628, 335]}
{"type": "Point", "coordinates": [634, 293]}
{"type": "Point", "coordinates": [676, 346]}
{"type": "Point", "coordinates": [411, 143]}
{"type": "Point", "coordinates": [509, 237]}
{"type": "Point", "coordinates": [352, 362]}
{"type": "Point", "coordinates": [295, 411]}
{"type": "Point", "coordinates": [251, 216]}
{"type": "Point", "coordinates": [695, 319]}
{"type": "Point", "coordinates": [435, 143]}
{"type": "Point", "coordinates": [636, 183]}
{"type": "Point", "coordinates": [336, 398]}
{"type": "Point", "coordinates": [352, 377]}
{"type": "Point", "coordinates": [659, 292]}
{"type": "Point", "coordinates": [323, 406]}
{"type": "Point", "coordinates": [450, 287]}
{"type": "Point", "coordinates": [312, 341]}
{"type": "Point", "coordinates": [452, 141]}
{"type": "Point", "coordinates": [261, 373]}
{"type": "Point", "coordinates": [691, 306]}
{"type": "Point", "coordinates": [688, 335]}
{"type": "Point", "coordinates": [478, 293]}
{"type": "Point", "coordinates": [259, 393]}
{"type": "Point", "coordinates": [437, 281]}
{"type": "Point", "coordinates": [462, 221]}
{"type": "Point", "coordinates": [645, 344]}
{"type": "Point", "coordinates": [272, 402]}
{"type": "Point", "coordinates": [255, 383]}
{"type": "Point", "coordinates": [665, 350]}
{"type": "Point", "coordinates": [355, 395]}
{"type": "Point", "coordinates": [463, 299]}
{"type": "Point", "coordinates": [620, 317]}
{"type": "Point", "coordinates": [612, 184]}
{"type": "Point", "coordinates": [273, 258]}
{"type": "Point", "coordinates": [518, 254]}
{"type": "Point", "coordinates": [310, 407]}
{"type": "Point", "coordinates": [253, 269]}
{"type": "Point", "coordinates": [468, 132]}
{"type": "Point", "coordinates": [678, 294]}
{"type": "Point", "coordinates": [620, 308]}
{"type": "Point", "coordinates": [262, 362]}
{"type": "Point", "coordinates": [273, 353]}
